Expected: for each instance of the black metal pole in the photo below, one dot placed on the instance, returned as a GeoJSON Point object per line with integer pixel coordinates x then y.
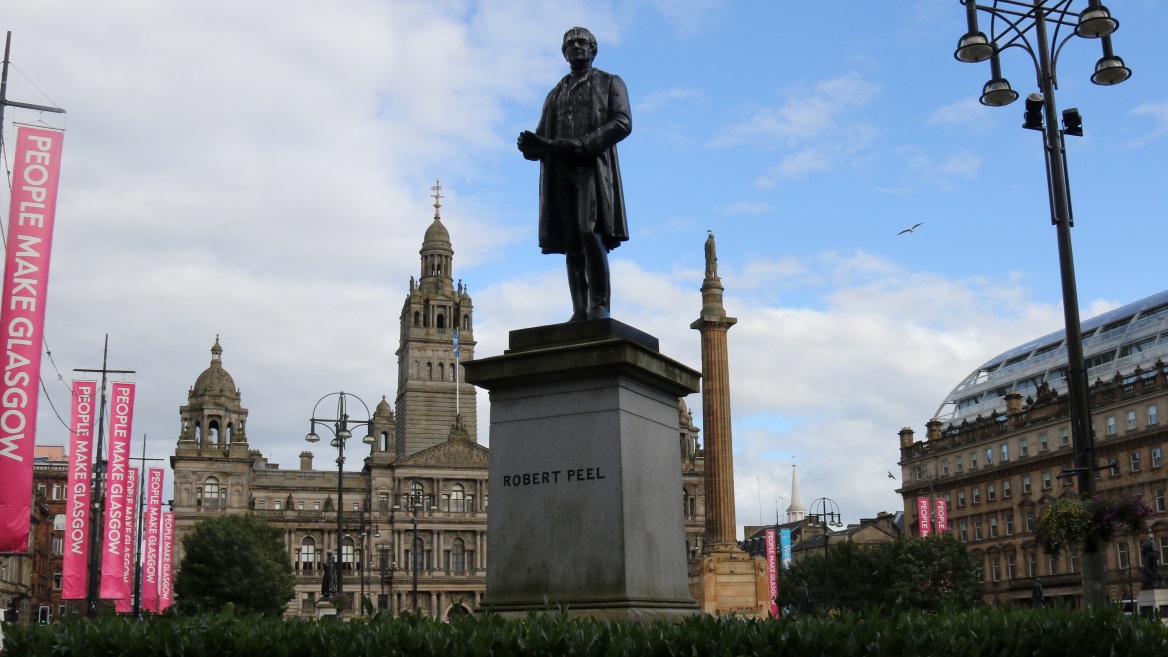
{"type": "Point", "coordinates": [1078, 398]}
{"type": "Point", "coordinates": [138, 539]}
{"type": "Point", "coordinates": [414, 552]}
{"type": "Point", "coordinates": [340, 512]}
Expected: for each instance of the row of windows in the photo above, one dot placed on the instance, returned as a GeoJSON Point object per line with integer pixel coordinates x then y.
{"type": "Point", "coordinates": [309, 558]}
{"type": "Point", "coordinates": [211, 496]}
{"type": "Point", "coordinates": [422, 320]}
{"type": "Point", "coordinates": [1042, 444]}
{"type": "Point", "coordinates": [992, 526]}
{"type": "Point", "coordinates": [1123, 561]}
{"type": "Point", "coordinates": [57, 492]}
{"type": "Point", "coordinates": [1152, 418]}
{"type": "Point", "coordinates": [991, 490]}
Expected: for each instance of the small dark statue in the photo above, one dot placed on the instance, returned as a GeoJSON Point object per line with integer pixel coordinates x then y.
{"type": "Point", "coordinates": [1151, 562]}
{"type": "Point", "coordinates": [328, 587]}
{"type": "Point", "coordinates": [581, 200]}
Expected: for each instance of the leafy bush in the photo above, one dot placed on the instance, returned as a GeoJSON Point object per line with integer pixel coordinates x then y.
{"type": "Point", "coordinates": [984, 631]}
{"type": "Point", "coordinates": [234, 559]}
{"type": "Point", "coordinates": [909, 573]}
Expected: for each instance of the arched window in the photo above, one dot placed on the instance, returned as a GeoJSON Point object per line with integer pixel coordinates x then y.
{"type": "Point", "coordinates": [213, 432]}
{"type": "Point", "coordinates": [347, 553]}
{"type": "Point", "coordinates": [228, 434]}
{"type": "Point", "coordinates": [385, 441]}
{"type": "Point", "coordinates": [308, 553]}
{"type": "Point", "coordinates": [441, 321]}
{"type": "Point", "coordinates": [456, 498]}
{"type": "Point", "coordinates": [416, 490]}
{"type": "Point", "coordinates": [430, 371]}
{"type": "Point", "coordinates": [198, 434]}
{"type": "Point", "coordinates": [466, 322]}
{"type": "Point", "coordinates": [441, 371]}
{"type": "Point", "coordinates": [418, 558]}
{"type": "Point", "coordinates": [457, 555]}
{"type": "Point", "coordinates": [212, 494]}
{"type": "Point", "coordinates": [417, 318]}
{"type": "Point", "coordinates": [59, 522]}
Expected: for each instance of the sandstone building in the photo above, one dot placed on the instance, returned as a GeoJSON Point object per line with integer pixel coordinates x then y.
{"type": "Point", "coordinates": [421, 446]}
{"type": "Point", "coordinates": [999, 451]}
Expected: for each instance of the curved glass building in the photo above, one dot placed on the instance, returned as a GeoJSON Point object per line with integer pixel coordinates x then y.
{"type": "Point", "coordinates": [1135, 335]}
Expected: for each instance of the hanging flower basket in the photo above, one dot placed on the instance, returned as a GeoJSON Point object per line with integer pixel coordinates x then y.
{"type": "Point", "coordinates": [1077, 523]}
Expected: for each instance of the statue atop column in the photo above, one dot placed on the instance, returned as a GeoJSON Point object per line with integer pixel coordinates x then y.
{"type": "Point", "coordinates": [581, 200]}
{"type": "Point", "coordinates": [711, 257]}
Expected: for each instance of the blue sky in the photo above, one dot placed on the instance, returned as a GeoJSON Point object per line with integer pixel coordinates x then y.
{"type": "Point", "coordinates": [261, 171]}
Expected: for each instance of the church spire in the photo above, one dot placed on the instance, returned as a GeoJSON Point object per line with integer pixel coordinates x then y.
{"type": "Point", "coordinates": [795, 512]}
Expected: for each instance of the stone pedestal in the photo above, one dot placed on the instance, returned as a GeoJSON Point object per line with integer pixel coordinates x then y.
{"type": "Point", "coordinates": [1153, 603]}
{"type": "Point", "coordinates": [327, 611]}
{"type": "Point", "coordinates": [585, 474]}
{"type": "Point", "coordinates": [730, 582]}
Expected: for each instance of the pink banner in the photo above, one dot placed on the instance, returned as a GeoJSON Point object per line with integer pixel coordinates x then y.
{"type": "Point", "coordinates": [22, 320]}
{"type": "Point", "coordinates": [923, 516]}
{"type": "Point", "coordinates": [78, 495]}
{"type": "Point", "coordinates": [113, 537]}
{"type": "Point", "coordinates": [942, 508]}
{"type": "Point", "coordinates": [153, 533]}
{"type": "Point", "coordinates": [165, 561]}
{"type": "Point", "coordinates": [772, 557]}
{"type": "Point", "coordinates": [125, 604]}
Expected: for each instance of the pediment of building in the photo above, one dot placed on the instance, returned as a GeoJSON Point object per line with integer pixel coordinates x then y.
{"type": "Point", "coordinates": [454, 453]}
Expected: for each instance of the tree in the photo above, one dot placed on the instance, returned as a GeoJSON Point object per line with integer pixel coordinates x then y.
{"type": "Point", "coordinates": [929, 573]}
{"type": "Point", "coordinates": [238, 559]}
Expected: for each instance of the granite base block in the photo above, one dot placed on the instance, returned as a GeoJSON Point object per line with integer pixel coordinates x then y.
{"type": "Point", "coordinates": [585, 474]}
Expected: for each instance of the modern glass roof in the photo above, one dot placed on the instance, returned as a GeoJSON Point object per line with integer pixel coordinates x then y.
{"type": "Point", "coordinates": [1116, 341]}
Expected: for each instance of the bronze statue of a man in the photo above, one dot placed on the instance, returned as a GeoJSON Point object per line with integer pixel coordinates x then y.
{"type": "Point", "coordinates": [328, 585]}
{"type": "Point", "coordinates": [581, 202]}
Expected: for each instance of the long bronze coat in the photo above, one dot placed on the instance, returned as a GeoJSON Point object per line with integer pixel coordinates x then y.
{"type": "Point", "coordinates": [614, 121]}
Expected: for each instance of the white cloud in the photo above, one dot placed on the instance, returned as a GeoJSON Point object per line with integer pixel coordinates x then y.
{"type": "Point", "coordinates": [963, 113]}
{"type": "Point", "coordinates": [658, 100]}
{"type": "Point", "coordinates": [809, 114]}
{"type": "Point", "coordinates": [830, 385]}
{"type": "Point", "coordinates": [1159, 114]}
{"type": "Point", "coordinates": [689, 18]}
{"type": "Point", "coordinates": [746, 207]}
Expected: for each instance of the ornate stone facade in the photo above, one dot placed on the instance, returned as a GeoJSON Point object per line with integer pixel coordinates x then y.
{"type": "Point", "coordinates": [425, 448]}
{"type": "Point", "coordinates": [1001, 469]}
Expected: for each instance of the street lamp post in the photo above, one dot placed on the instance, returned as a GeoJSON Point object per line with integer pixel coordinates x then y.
{"type": "Point", "coordinates": [363, 562]}
{"type": "Point", "coordinates": [1013, 22]}
{"type": "Point", "coordinates": [826, 511]}
{"type": "Point", "coordinates": [415, 501]}
{"type": "Point", "coordinates": [340, 430]}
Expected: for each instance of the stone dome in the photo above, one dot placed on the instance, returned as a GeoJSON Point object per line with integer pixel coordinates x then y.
{"type": "Point", "coordinates": [215, 380]}
{"type": "Point", "coordinates": [436, 233]}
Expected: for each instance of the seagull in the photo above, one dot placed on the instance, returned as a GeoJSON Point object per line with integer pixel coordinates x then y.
{"type": "Point", "coordinates": [909, 230]}
{"type": "Point", "coordinates": [890, 475]}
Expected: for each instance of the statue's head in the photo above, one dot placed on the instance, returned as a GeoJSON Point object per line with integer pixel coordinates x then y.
{"type": "Point", "coordinates": [579, 46]}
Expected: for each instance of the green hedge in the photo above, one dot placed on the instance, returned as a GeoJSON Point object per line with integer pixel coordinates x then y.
{"type": "Point", "coordinates": [999, 632]}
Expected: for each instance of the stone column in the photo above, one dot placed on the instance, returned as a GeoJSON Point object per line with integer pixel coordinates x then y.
{"type": "Point", "coordinates": [721, 528]}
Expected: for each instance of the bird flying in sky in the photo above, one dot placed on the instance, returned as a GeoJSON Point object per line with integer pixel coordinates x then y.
{"type": "Point", "coordinates": [909, 230]}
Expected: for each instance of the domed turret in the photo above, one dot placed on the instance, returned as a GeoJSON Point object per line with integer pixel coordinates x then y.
{"type": "Point", "coordinates": [213, 422]}
{"type": "Point", "coordinates": [215, 381]}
